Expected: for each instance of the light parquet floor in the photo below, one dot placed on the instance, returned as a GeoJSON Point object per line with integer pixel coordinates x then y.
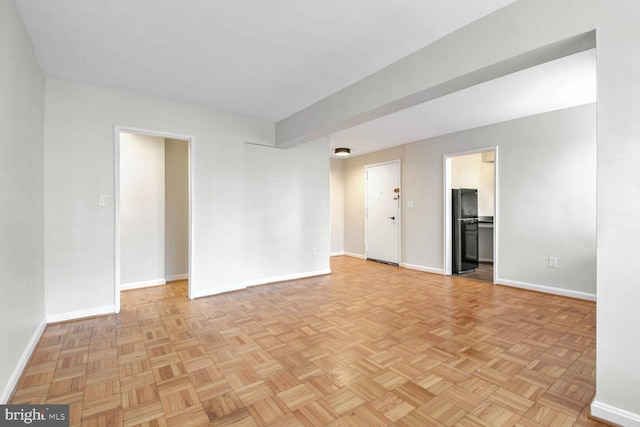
{"type": "Point", "coordinates": [369, 345]}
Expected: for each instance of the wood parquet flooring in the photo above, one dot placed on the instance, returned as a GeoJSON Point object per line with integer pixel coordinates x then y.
{"type": "Point", "coordinates": [484, 273]}
{"type": "Point", "coordinates": [369, 345]}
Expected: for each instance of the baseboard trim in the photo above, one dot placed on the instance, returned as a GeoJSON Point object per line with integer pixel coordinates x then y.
{"type": "Point", "coordinates": [202, 293]}
{"type": "Point", "coordinates": [422, 268]}
{"type": "Point", "coordinates": [177, 277]}
{"type": "Point", "coordinates": [22, 362]}
{"type": "Point", "coordinates": [336, 254]}
{"type": "Point", "coordinates": [79, 314]}
{"type": "Point", "coordinates": [352, 255]}
{"type": "Point", "coordinates": [257, 282]}
{"type": "Point", "coordinates": [288, 277]}
{"type": "Point", "coordinates": [145, 284]}
{"type": "Point", "coordinates": [547, 289]}
{"type": "Point", "coordinates": [615, 415]}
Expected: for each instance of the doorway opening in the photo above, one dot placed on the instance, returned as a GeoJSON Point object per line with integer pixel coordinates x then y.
{"type": "Point", "coordinates": [470, 220]}
{"type": "Point", "coordinates": [153, 209]}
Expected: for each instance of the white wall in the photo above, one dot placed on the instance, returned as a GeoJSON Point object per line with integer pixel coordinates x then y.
{"type": "Point", "coordinates": [79, 165]}
{"type": "Point", "coordinates": [176, 172]}
{"type": "Point", "coordinates": [546, 198]}
{"type": "Point", "coordinates": [79, 234]}
{"type": "Point", "coordinates": [22, 307]}
{"type": "Point", "coordinates": [618, 317]}
{"type": "Point", "coordinates": [469, 171]}
{"type": "Point", "coordinates": [337, 205]}
{"type": "Point", "coordinates": [287, 211]}
{"type": "Point", "coordinates": [142, 209]}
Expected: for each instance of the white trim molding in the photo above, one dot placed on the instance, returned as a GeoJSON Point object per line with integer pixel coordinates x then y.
{"type": "Point", "coordinates": [614, 415]}
{"type": "Point", "coordinates": [176, 277]}
{"type": "Point", "coordinates": [336, 254]}
{"type": "Point", "coordinates": [422, 268]}
{"type": "Point", "coordinates": [258, 282]}
{"type": "Point", "coordinates": [547, 289]}
{"type": "Point", "coordinates": [267, 281]}
{"type": "Point", "coordinates": [201, 293]}
{"type": "Point", "coordinates": [79, 314]}
{"type": "Point", "coordinates": [22, 362]}
{"type": "Point", "coordinates": [352, 255]}
{"type": "Point", "coordinates": [145, 284]}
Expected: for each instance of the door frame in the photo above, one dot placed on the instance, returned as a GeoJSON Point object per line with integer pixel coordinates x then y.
{"type": "Point", "coordinates": [366, 206]}
{"type": "Point", "coordinates": [448, 237]}
{"type": "Point", "coordinates": [116, 202]}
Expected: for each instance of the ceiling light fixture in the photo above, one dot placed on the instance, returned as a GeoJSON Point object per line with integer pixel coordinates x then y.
{"type": "Point", "coordinates": [342, 152]}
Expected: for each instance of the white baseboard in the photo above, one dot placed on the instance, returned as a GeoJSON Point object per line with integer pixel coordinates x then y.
{"type": "Point", "coordinates": [614, 415]}
{"type": "Point", "coordinates": [201, 293]}
{"type": "Point", "coordinates": [352, 255]}
{"type": "Point", "coordinates": [485, 260]}
{"type": "Point", "coordinates": [547, 289]}
{"type": "Point", "coordinates": [285, 278]}
{"type": "Point", "coordinates": [79, 314]}
{"type": "Point", "coordinates": [145, 284]}
{"type": "Point", "coordinates": [177, 277]}
{"type": "Point", "coordinates": [22, 362]}
{"type": "Point", "coordinates": [422, 268]}
{"type": "Point", "coordinates": [336, 254]}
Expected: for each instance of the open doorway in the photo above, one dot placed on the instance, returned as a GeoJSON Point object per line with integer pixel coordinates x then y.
{"type": "Point", "coordinates": [152, 209]}
{"type": "Point", "coordinates": [470, 243]}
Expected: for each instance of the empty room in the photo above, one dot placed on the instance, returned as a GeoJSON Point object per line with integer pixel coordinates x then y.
{"type": "Point", "coordinates": [333, 213]}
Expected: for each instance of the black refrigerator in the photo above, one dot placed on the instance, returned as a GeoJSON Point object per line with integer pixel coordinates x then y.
{"type": "Point", "coordinates": [465, 229]}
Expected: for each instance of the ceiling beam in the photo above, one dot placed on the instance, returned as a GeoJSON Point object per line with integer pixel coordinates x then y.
{"type": "Point", "coordinates": [519, 36]}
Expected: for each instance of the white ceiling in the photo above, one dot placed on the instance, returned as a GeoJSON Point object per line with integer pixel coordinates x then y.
{"type": "Point", "coordinates": [271, 58]}
{"type": "Point", "coordinates": [261, 58]}
{"type": "Point", "coordinates": [563, 83]}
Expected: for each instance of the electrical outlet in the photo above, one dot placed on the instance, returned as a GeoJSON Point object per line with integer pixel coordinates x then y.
{"type": "Point", "coordinates": [553, 262]}
{"type": "Point", "coordinates": [103, 200]}
{"type": "Point", "coordinates": [410, 204]}
{"type": "Point", "coordinates": [314, 251]}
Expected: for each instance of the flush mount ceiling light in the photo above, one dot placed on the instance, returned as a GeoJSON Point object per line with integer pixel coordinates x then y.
{"type": "Point", "coordinates": [342, 152]}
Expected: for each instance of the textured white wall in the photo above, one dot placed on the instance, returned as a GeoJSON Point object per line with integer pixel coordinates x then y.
{"type": "Point", "coordinates": [618, 316]}
{"type": "Point", "coordinates": [22, 308]}
{"type": "Point", "coordinates": [287, 211]}
{"type": "Point", "coordinates": [142, 208]}
{"type": "Point", "coordinates": [176, 174]}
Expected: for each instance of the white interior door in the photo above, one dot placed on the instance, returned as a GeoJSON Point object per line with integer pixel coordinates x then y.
{"type": "Point", "coordinates": [383, 212]}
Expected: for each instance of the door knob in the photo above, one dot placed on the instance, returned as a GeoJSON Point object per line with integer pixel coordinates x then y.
{"type": "Point", "coordinates": [392, 217]}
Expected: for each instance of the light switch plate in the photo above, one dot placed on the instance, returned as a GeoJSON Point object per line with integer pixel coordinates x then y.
{"type": "Point", "coordinates": [103, 200]}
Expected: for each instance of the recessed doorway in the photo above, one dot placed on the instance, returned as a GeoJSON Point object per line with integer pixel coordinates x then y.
{"type": "Point", "coordinates": [471, 242]}
{"type": "Point", "coordinates": [152, 209]}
